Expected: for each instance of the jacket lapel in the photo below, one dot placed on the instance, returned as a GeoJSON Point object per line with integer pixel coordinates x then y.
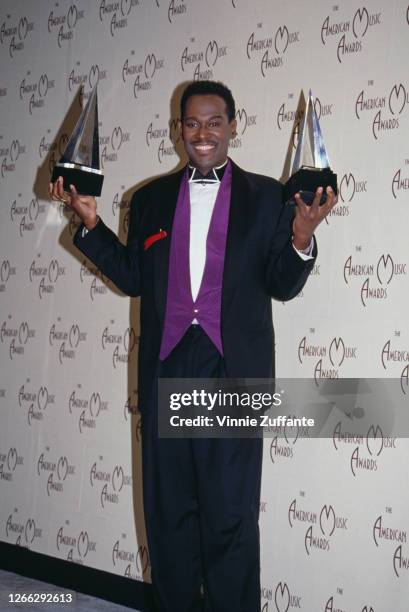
{"type": "Point", "coordinates": [165, 214]}
{"type": "Point", "coordinates": [237, 230]}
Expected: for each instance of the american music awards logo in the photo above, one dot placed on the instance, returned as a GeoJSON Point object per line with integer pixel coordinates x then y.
{"type": "Point", "coordinates": [121, 344]}
{"type": "Point", "coordinates": [141, 74]}
{"type": "Point", "coordinates": [110, 144]}
{"type": "Point", "coordinates": [110, 484]}
{"type": "Point", "coordinates": [269, 49]}
{"type": "Point", "coordinates": [115, 13]}
{"type": "Point", "coordinates": [158, 140]}
{"type": "Point", "coordinates": [46, 275]}
{"type": "Point", "coordinates": [386, 533]}
{"type": "Point", "coordinates": [88, 409]}
{"type": "Point", "coordinates": [199, 61]}
{"type": "Point", "coordinates": [35, 90]}
{"type": "Point", "coordinates": [327, 357]}
{"type": "Point", "coordinates": [66, 339]}
{"type": "Point", "coordinates": [348, 34]}
{"type": "Point", "coordinates": [133, 564]}
{"type": "Point", "coordinates": [86, 80]}
{"type": "Point", "coordinates": [35, 402]}
{"type": "Point", "coordinates": [74, 547]}
{"type": "Point", "coordinates": [54, 472]}
{"type": "Point", "coordinates": [20, 531]}
{"type": "Point", "coordinates": [64, 24]}
{"type": "Point", "coordinates": [385, 109]}
{"type": "Point", "coordinates": [19, 335]}
{"type": "Point", "coordinates": [366, 448]}
{"type": "Point", "coordinates": [9, 463]}
{"type": "Point", "coordinates": [319, 525]}
{"type": "Point", "coordinates": [375, 277]}
{"type": "Point", "coordinates": [15, 34]}
{"type": "Point", "coordinates": [9, 156]}
{"type": "Point", "coordinates": [25, 216]}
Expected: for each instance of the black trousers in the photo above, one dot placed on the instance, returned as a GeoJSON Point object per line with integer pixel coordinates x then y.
{"type": "Point", "coordinates": [201, 502]}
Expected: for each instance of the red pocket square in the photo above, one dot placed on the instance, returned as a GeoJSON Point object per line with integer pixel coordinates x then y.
{"type": "Point", "coordinates": [154, 238]}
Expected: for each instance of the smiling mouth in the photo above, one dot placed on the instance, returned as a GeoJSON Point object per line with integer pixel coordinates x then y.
{"type": "Point", "coordinates": [204, 148]}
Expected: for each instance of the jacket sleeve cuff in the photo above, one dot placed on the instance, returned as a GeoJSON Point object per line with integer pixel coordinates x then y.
{"type": "Point", "coordinates": [308, 253]}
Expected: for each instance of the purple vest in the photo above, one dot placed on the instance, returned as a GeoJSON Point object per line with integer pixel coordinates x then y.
{"type": "Point", "coordinates": [206, 309]}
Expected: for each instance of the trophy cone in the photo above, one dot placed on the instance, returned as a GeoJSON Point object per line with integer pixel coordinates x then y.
{"type": "Point", "coordinates": [311, 167]}
{"type": "Point", "coordinates": [79, 164]}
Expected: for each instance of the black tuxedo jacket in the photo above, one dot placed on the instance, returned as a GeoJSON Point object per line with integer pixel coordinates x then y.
{"type": "Point", "coordinates": [260, 263]}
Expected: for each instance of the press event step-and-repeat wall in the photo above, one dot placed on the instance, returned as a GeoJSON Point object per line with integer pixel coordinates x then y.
{"type": "Point", "coordinates": [334, 512]}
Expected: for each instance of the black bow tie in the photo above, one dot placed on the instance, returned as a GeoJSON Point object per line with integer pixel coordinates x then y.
{"type": "Point", "coordinates": [214, 176]}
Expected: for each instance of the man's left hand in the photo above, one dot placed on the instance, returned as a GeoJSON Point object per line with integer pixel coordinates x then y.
{"type": "Point", "coordinates": [307, 218]}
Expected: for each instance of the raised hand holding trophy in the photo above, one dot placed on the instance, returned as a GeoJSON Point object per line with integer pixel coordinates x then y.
{"type": "Point", "coordinates": [79, 164]}
{"type": "Point", "coordinates": [311, 167]}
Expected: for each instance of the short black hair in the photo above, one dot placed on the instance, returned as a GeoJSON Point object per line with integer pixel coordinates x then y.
{"type": "Point", "coordinates": [209, 88]}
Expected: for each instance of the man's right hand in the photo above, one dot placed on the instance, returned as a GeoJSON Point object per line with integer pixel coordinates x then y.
{"type": "Point", "coordinates": [84, 206]}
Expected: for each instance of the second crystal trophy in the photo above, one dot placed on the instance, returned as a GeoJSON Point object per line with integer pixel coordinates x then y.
{"type": "Point", "coordinates": [79, 164]}
{"type": "Point", "coordinates": [311, 167]}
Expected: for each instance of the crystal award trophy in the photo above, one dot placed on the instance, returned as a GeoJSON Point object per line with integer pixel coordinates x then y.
{"type": "Point", "coordinates": [311, 167]}
{"type": "Point", "coordinates": [79, 164]}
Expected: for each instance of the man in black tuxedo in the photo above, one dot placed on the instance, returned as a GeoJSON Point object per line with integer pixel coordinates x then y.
{"type": "Point", "coordinates": [207, 248]}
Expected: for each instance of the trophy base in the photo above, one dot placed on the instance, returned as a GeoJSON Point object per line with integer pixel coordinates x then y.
{"type": "Point", "coordinates": [87, 181]}
{"type": "Point", "coordinates": [306, 181]}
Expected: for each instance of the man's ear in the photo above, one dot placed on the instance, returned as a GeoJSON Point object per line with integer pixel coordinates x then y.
{"type": "Point", "coordinates": [179, 128]}
{"type": "Point", "coordinates": [233, 128]}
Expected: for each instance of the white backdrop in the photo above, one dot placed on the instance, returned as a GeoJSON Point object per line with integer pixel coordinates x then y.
{"type": "Point", "coordinates": [334, 516]}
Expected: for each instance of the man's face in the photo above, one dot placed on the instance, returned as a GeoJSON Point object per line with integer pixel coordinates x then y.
{"type": "Point", "coordinates": [206, 131]}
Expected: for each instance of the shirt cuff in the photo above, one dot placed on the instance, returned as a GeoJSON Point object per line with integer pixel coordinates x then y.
{"type": "Point", "coordinates": [305, 254]}
{"type": "Point", "coordinates": [85, 231]}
